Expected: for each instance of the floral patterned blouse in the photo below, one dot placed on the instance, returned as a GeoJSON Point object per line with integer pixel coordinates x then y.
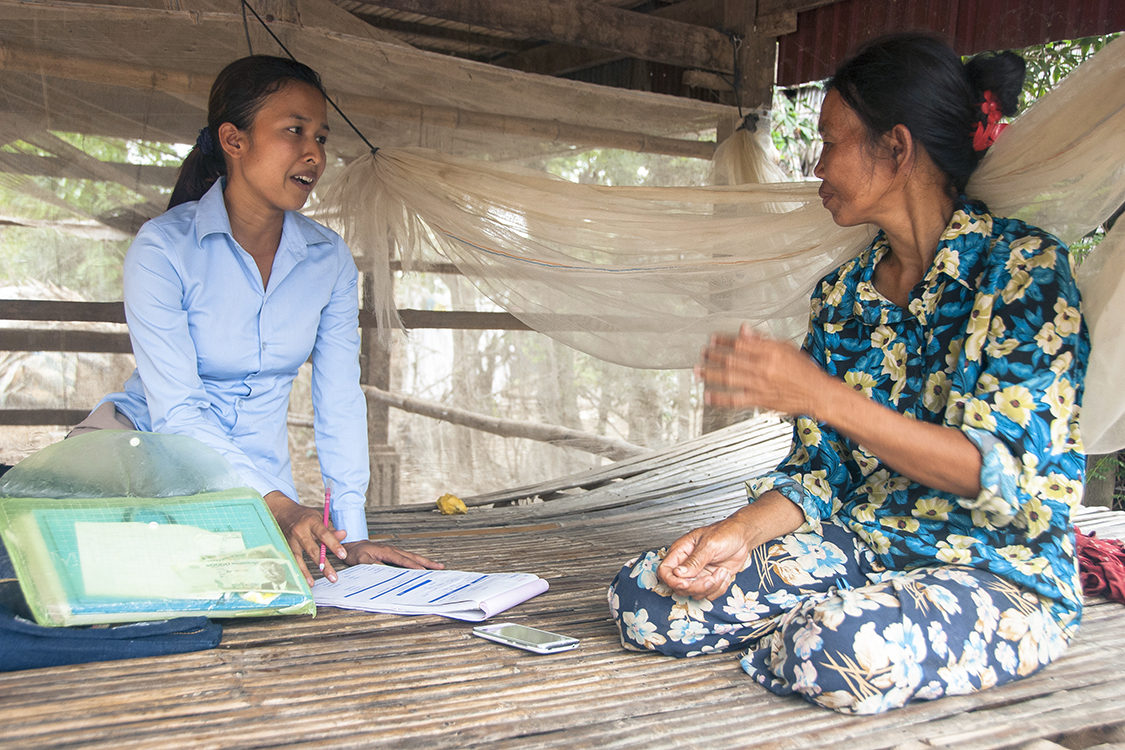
{"type": "Point", "coordinates": [991, 343]}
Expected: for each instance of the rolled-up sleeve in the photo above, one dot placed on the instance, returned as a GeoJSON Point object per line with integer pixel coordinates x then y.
{"type": "Point", "coordinates": [1028, 342]}
{"type": "Point", "coordinates": [340, 408]}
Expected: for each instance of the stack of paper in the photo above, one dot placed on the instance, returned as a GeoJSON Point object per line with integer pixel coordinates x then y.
{"type": "Point", "coordinates": [449, 593]}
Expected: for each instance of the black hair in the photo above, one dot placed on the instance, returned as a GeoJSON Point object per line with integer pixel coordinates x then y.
{"type": "Point", "coordinates": [918, 81]}
{"type": "Point", "coordinates": [239, 91]}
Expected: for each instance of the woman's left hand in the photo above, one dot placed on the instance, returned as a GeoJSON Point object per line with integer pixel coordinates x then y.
{"type": "Point", "coordinates": [750, 370]}
{"type": "Point", "coordinates": [367, 551]}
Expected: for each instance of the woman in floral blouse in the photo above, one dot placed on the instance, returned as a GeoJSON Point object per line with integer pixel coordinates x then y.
{"type": "Point", "coordinates": [917, 540]}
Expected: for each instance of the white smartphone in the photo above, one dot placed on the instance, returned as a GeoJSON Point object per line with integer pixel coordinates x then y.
{"type": "Point", "coordinates": [529, 639]}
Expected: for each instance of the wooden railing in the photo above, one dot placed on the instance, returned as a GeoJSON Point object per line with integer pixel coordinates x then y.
{"type": "Point", "coordinates": [374, 362]}
{"type": "Point", "coordinates": [117, 342]}
{"type": "Point", "coordinates": [374, 358]}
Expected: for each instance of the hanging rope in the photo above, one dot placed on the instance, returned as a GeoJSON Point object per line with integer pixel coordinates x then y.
{"type": "Point", "coordinates": [247, 6]}
{"type": "Point", "coordinates": [246, 31]}
{"type": "Point", "coordinates": [736, 83]}
{"type": "Point", "coordinates": [747, 121]}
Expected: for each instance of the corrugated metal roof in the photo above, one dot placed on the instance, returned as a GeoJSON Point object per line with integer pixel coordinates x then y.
{"type": "Point", "coordinates": [828, 34]}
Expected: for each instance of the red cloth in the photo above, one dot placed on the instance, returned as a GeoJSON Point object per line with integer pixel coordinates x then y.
{"type": "Point", "coordinates": [1101, 566]}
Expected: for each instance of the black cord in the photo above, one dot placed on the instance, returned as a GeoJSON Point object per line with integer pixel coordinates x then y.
{"type": "Point", "coordinates": [246, 30]}
{"type": "Point", "coordinates": [246, 5]}
{"type": "Point", "coordinates": [736, 85]}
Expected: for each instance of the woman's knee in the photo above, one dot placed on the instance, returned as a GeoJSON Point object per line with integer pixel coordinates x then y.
{"type": "Point", "coordinates": [637, 598]}
{"type": "Point", "coordinates": [841, 655]}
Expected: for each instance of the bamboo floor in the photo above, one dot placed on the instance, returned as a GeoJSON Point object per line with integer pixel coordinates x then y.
{"type": "Point", "coordinates": [350, 679]}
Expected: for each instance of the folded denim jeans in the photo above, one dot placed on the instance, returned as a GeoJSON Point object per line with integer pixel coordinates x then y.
{"type": "Point", "coordinates": [25, 645]}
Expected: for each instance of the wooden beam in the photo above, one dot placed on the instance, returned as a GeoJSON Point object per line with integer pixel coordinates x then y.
{"type": "Point", "coordinates": [42, 417]}
{"type": "Point", "coordinates": [65, 311]}
{"type": "Point", "coordinates": [64, 341]}
{"type": "Point", "coordinates": [375, 371]}
{"type": "Point", "coordinates": [422, 267]}
{"type": "Point", "coordinates": [703, 80]}
{"type": "Point", "coordinates": [178, 83]}
{"type": "Point", "coordinates": [71, 417]}
{"type": "Point", "coordinates": [757, 54]}
{"type": "Point", "coordinates": [92, 167]}
{"type": "Point", "coordinates": [84, 230]}
{"type": "Point", "coordinates": [559, 59]}
{"type": "Point", "coordinates": [563, 437]}
{"type": "Point", "coordinates": [779, 17]}
{"type": "Point", "coordinates": [457, 320]}
{"type": "Point", "coordinates": [771, 7]}
{"type": "Point", "coordinates": [758, 28]}
{"type": "Point", "coordinates": [525, 127]}
{"type": "Point", "coordinates": [585, 23]}
{"type": "Point", "coordinates": [436, 35]}
{"type": "Point", "coordinates": [29, 189]}
{"type": "Point", "coordinates": [775, 25]}
{"type": "Point", "coordinates": [465, 320]}
{"type": "Point", "coordinates": [774, 18]}
{"type": "Point", "coordinates": [52, 166]}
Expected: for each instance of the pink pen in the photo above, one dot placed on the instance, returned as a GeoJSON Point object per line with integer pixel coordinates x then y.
{"type": "Point", "coordinates": [327, 505]}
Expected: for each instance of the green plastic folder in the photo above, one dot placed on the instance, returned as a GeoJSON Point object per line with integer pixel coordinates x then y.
{"type": "Point", "coordinates": [91, 560]}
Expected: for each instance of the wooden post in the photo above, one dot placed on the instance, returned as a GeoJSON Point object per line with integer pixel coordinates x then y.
{"type": "Point", "coordinates": [757, 55]}
{"type": "Point", "coordinates": [756, 63]}
{"type": "Point", "coordinates": [715, 419]}
{"type": "Point", "coordinates": [375, 369]}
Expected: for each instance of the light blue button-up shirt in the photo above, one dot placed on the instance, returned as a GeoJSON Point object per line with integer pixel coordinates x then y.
{"type": "Point", "coordinates": [217, 354]}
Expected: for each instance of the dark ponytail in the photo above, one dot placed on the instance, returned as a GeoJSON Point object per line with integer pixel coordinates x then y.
{"type": "Point", "coordinates": [237, 94]}
{"type": "Point", "coordinates": [918, 81]}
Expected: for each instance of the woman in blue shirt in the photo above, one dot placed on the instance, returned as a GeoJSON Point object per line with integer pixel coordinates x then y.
{"type": "Point", "coordinates": [231, 290]}
{"type": "Point", "coordinates": [916, 542]}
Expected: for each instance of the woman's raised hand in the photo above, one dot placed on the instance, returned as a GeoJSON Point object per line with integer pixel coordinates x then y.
{"type": "Point", "coordinates": [750, 370]}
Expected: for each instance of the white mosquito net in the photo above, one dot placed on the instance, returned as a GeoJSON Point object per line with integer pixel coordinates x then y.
{"type": "Point", "coordinates": [640, 276]}
{"type": "Point", "coordinates": [99, 101]}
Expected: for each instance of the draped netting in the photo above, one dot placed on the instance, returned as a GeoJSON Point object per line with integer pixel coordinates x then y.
{"type": "Point", "coordinates": [634, 275]}
{"type": "Point", "coordinates": [640, 276]}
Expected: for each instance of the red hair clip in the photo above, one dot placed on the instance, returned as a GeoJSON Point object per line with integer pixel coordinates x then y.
{"type": "Point", "coordinates": [987, 132]}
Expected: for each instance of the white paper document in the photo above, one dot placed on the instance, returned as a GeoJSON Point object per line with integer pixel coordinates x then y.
{"type": "Point", "coordinates": [450, 593]}
{"type": "Point", "coordinates": [177, 561]}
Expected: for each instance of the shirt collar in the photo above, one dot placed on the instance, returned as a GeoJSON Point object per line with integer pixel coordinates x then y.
{"type": "Point", "coordinates": [961, 253]}
{"type": "Point", "coordinates": [211, 213]}
{"type": "Point", "coordinates": [963, 247]}
{"type": "Point", "coordinates": [297, 232]}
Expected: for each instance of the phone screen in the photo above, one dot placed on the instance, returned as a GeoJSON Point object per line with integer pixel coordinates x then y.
{"type": "Point", "coordinates": [527, 635]}
{"type": "Point", "coordinates": [530, 639]}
